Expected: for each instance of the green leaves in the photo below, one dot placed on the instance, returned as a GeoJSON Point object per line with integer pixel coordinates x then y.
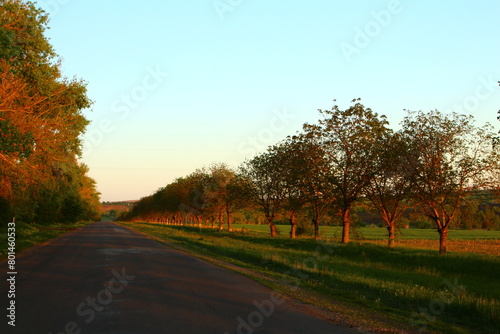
{"type": "Point", "coordinates": [448, 157]}
{"type": "Point", "coordinates": [25, 47]}
{"type": "Point", "coordinates": [12, 142]}
{"type": "Point", "coordinates": [41, 120]}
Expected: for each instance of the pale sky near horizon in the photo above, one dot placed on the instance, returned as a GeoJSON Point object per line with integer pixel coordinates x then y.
{"type": "Point", "coordinates": [179, 85]}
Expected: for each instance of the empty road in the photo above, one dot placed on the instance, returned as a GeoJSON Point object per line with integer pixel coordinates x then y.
{"type": "Point", "coordinates": [107, 279]}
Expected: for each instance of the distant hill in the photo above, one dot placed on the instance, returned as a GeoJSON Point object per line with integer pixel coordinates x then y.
{"type": "Point", "coordinates": [111, 210]}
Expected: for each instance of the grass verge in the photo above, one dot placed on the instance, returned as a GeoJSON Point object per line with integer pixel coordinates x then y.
{"type": "Point", "coordinates": [29, 235]}
{"type": "Point", "coordinates": [365, 285]}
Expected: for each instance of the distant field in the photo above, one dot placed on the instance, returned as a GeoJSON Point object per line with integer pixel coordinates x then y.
{"type": "Point", "coordinates": [378, 233]}
{"type": "Point", "coordinates": [473, 241]}
{"type": "Point", "coordinates": [116, 207]}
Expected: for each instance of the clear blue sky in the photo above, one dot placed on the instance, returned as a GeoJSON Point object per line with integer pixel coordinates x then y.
{"type": "Point", "coordinates": [178, 85]}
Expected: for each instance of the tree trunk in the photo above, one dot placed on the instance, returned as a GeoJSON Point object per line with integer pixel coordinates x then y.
{"type": "Point", "coordinates": [229, 220]}
{"type": "Point", "coordinates": [221, 221]}
{"type": "Point", "coordinates": [443, 239]}
{"type": "Point", "coordinates": [293, 224]}
{"type": "Point", "coordinates": [346, 224]}
{"type": "Point", "coordinates": [272, 227]}
{"type": "Point", "coordinates": [390, 228]}
{"type": "Point", "coordinates": [316, 228]}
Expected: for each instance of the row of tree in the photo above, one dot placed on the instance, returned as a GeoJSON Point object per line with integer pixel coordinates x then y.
{"type": "Point", "coordinates": [436, 162]}
{"type": "Point", "coordinates": [41, 121]}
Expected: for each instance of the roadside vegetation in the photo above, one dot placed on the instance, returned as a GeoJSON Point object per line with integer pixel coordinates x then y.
{"type": "Point", "coordinates": [41, 122]}
{"type": "Point", "coordinates": [350, 169]}
{"type": "Point", "coordinates": [29, 235]}
{"type": "Point", "coordinates": [364, 284]}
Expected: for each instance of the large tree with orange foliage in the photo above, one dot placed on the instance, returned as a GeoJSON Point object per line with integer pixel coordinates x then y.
{"type": "Point", "coordinates": [41, 114]}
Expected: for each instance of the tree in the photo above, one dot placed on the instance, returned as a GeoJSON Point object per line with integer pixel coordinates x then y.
{"type": "Point", "coordinates": [41, 117]}
{"type": "Point", "coordinates": [266, 175]}
{"type": "Point", "coordinates": [90, 197]}
{"type": "Point", "coordinates": [449, 157]}
{"type": "Point", "coordinates": [390, 189]}
{"type": "Point", "coordinates": [238, 194]}
{"type": "Point", "coordinates": [220, 194]}
{"type": "Point", "coordinates": [187, 198]}
{"type": "Point", "coordinates": [350, 138]}
{"type": "Point", "coordinates": [35, 86]}
{"type": "Point", "coordinates": [289, 156]}
{"type": "Point", "coordinates": [68, 196]}
{"type": "Point", "coordinates": [207, 193]}
{"type": "Point", "coordinates": [306, 178]}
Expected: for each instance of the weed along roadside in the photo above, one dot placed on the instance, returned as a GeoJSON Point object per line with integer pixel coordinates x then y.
{"type": "Point", "coordinates": [30, 235]}
{"type": "Point", "coordinates": [366, 286]}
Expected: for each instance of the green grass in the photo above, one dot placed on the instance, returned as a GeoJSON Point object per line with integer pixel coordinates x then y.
{"type": "Point", "coordinates": [378, 233]}
{"type": "Point", "coordinates": [30, 235]}
{"type": "Point", "coordinates": [458, 291]}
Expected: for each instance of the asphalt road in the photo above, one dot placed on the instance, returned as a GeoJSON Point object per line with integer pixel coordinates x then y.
{"type": "Point", "coordinates": [107, 279]}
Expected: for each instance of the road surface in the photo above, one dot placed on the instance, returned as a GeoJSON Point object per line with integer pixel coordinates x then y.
{"type": "Point", "coordinates": [107, 279]}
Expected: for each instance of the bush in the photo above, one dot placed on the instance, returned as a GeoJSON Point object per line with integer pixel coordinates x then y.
{"type": "Point", "coordinates": [305, 228]}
